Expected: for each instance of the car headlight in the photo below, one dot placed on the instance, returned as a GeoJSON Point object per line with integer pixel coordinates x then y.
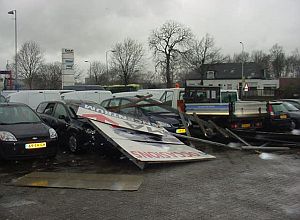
{"type": "Point", "coordinates": [163, 124]}
{"type": "Point", "coordinates": [7, 136]}
{"type": "Point", "coordinates": [52, 133]}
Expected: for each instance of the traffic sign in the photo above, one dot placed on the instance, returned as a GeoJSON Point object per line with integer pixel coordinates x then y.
{"type": "Point", "coordinates": [246, 88]}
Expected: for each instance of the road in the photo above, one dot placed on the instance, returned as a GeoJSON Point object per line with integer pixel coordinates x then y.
{"type": "Point", "coordinates": [236, 185]}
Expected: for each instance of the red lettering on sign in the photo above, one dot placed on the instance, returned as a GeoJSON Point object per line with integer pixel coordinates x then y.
{"type": "Point", "coordinates": [101, 118]}
{"type": "Point", "coordinates": [141, 154]}
{"type": "Point", "coordinates": [136, 154]}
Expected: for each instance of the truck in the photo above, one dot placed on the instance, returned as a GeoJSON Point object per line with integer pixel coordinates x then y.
{"type": "Point", "coordinates": [224, 107]}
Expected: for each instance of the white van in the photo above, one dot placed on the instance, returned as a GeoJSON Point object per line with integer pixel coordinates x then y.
{"type": "Point", "coordinates": [89, 95]}
{"type": "Point", "coordinates": [34, 97]}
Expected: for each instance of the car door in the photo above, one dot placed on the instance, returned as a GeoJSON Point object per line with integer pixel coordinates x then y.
{"type": "Point", "coordinates": [60, 113]}
{"type": "Point", "coordinates": [45, 111]}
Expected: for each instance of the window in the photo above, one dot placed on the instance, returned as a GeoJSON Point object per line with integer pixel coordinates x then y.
{"type": "Point", "coordinates": [41, 107]}
{"type": "Point", "coordinates": [60, 110]}
{"type": "Point", "coordinates": [17, 114]}
{"type": "Point", "coordinates": [129, 110]}
{"type": "Point", "coordinates": [210, 75]}
{"type": "Point", "coordinates": [167, 98]}
{"type": "Point", "coordinates": [49, 109]}
{"type": "Point", "coordinates": [227, 97]}
{"type": "Point", "coordinates": [105, 103]}
{"type": "Point", "coordinates": [114, 103]}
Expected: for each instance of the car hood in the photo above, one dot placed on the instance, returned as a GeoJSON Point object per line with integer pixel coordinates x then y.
{"type": "Point", "coordinates": [295, 114]}
{"type": "Point", "coordinates": [27, 130]}
{"type": "Point", "coordinates": [171, 119]}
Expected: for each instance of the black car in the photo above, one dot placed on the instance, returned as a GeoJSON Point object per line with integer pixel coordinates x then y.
{"type": "Point", "coordinates": [294, 114]}
{"type": "Point", "coordinates": [277, 119]}
{"type": "Point", "coordinates": [147, 109]}
{"type": "Point", "coordinates": [73, 131]}
{"type": "Point", "coordinates": [23, 134]}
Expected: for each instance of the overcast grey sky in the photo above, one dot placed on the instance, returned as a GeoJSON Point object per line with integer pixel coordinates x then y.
{"type": "Point", "coordinates": [92, 27]}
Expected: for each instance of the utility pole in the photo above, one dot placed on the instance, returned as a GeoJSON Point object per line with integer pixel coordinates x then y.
{"type": "Point", "coordinates": [14, 12]}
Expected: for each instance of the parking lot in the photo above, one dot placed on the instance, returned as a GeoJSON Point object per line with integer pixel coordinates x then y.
{"type": "Point", "coordinates": [236, 185]}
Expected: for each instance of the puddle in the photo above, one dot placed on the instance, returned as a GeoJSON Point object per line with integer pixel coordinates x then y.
{"type": "Point", "coordinates": [268, 156]}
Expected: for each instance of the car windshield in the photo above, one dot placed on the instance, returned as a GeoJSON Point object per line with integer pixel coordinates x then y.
{"type": "Point", "coordinates": [17, 115]}
{"type": "Point", "coordinates": [151, 106]}
{"type": "Point", "coordinates": [279, 108]}
{"type": "Point", "coordinates": [290, 107]}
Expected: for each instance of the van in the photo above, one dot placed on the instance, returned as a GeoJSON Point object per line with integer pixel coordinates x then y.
{"type": "Point", "coordinates": [90, 95]}
{"type": "Point", "coordinates": [33, 98]}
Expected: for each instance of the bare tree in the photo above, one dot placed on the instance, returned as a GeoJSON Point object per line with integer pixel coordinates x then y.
{"type": "Point", "coordinates": [127, 59]}
{"type": "Point", "coordinates": [263, 60]}
{"type": "Point", "coordinates": [202, 52]}
{"type": "Point", "coordinates": [30, 60]}
{"type": "Point", "coordinates": [241, 57]}
{"type": "Point", "coordinates": [78, 74]}
{"type": "Point", "coordinates": [99, 73]}
{"type": "Point", "coordinates": [49, 76]}
{"type": "Point", "coordinates": [167, 43]}
{"type": "Point", "coordinates": [293, 64]}
{"type": "Point", "coordinates": [278, 60]}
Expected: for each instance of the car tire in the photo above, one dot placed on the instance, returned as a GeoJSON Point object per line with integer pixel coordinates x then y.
{"type": "Point", "coordinates": [73, 144]}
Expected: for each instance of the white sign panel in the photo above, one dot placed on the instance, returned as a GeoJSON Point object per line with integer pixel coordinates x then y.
{"type": "Point", "coordinates": [148, 149]}
{"type": "Point", "coordinates": [143, 141]}
{"type": "Point", "coordinates": [112, 118]}
{"type": "Point", "coordinates": [68, 67]}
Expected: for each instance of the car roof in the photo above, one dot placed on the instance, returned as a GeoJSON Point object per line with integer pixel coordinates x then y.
{"type": "Point", "coordinates": [293, 100]}
{"type": "Point", "coordinates": [71, 101]}
{"type": "Point", "coordinates": [12, 104]}
{"type": "Point", "coordinates": [275, 102]}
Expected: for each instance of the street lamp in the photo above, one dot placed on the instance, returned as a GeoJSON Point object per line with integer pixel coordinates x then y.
{"type": "Point", "coordinates": [242, 64]}
{"type": "Point", "coordinates": [87, 61]}
{"type": "Point", "coordinates": [113, 51]}
{"type": "Point", "coordinates": [14, 12]}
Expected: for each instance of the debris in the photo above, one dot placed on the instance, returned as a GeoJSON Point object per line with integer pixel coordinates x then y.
{"type": "Point", "coordinates": [81, 181]}
{"type": "Point", "coordinates": [139, 140]}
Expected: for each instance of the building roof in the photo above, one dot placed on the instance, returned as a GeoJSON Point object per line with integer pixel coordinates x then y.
{"type": "Point", "coordinates": [230, 71]}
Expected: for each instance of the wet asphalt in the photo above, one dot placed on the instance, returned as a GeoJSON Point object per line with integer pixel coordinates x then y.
{"type": "Point", "coordinates": [236, 185]}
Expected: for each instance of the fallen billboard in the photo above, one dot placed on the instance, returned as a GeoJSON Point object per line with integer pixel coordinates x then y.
{"type": "Point", "coordinates": [139, 140]}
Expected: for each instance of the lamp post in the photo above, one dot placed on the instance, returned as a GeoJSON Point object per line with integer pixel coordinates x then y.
{"type": "Point", "coordinates": [113, 51]}
{"type": "Point", "coordinates": [14, 12]}
{"type": "Point", "coordinates": [242, 64]}
{"type": "Point", "coordinates": [87, 61]}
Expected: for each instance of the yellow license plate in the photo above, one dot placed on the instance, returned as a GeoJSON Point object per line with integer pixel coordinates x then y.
{"type": "Point", "coordinates": [246, 125]}
{"type": "Point", "coordinates": [180, 131]}
{"type": "Point", "coordinates": [283, 116]}
{"type": "Point", "coordinates": [35, 145]}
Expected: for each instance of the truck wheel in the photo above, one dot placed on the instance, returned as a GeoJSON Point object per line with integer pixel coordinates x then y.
{"type": "Point", "coordinates": [73, 143]}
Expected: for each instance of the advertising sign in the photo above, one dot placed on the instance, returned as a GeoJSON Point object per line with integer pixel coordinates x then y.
{"type": "Point", "coordinates": [104, 116]}
{"type": "Point", "coordinates": [141, 140]}
{"type": "Point", "coordinates": [143, 148]}
{"type": "Point", "coordinates": [68, 67]}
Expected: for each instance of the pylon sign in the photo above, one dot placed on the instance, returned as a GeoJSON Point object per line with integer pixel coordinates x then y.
{"type": "Point", "coordinates": [246, 88]}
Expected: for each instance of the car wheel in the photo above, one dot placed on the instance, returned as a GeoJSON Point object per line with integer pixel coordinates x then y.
{"type": "Point", "coordinates": [73, 143]}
